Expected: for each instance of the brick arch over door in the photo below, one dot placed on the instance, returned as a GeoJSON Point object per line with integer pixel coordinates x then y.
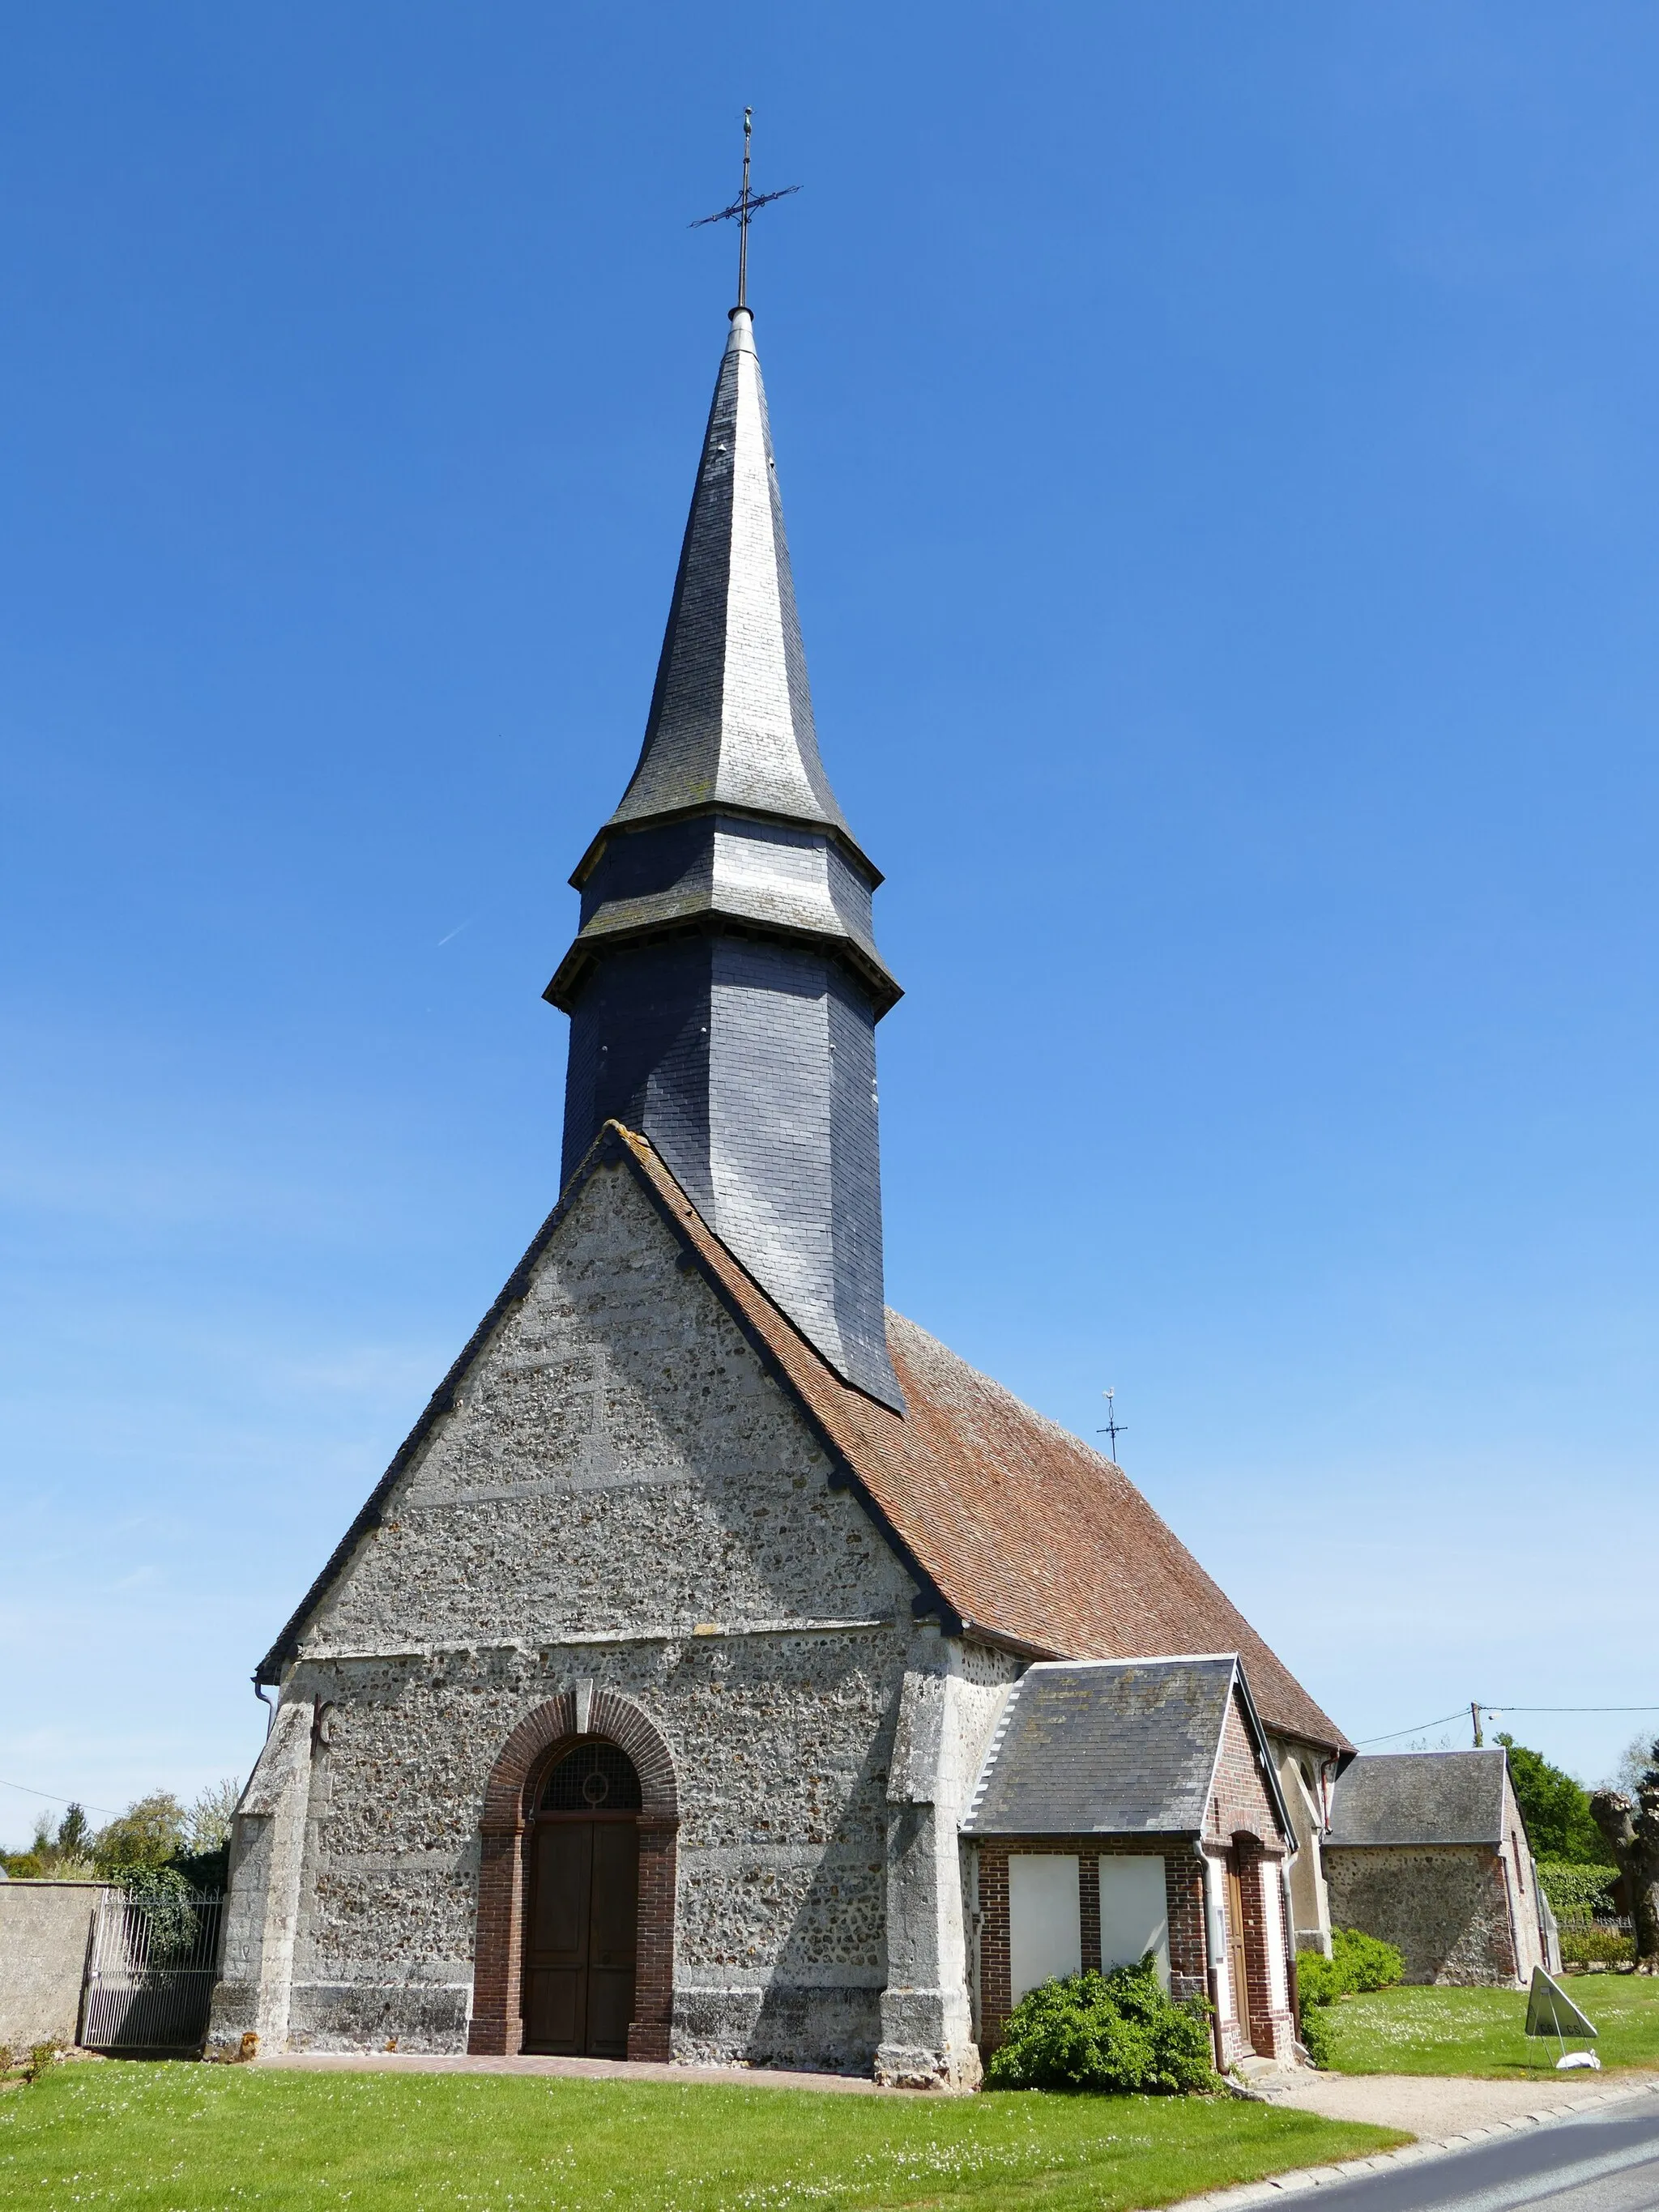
{"type": "Point", "coordinates": [534, 1746]}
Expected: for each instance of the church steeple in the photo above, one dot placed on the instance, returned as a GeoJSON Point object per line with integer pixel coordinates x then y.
{"type": "Point", "coordinates": [724, 984]}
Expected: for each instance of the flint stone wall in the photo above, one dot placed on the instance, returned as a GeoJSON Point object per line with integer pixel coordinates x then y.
{"type": "Point", "coordinates": [620, 1494]}
{"type": "Point", "coordinates": [1442, 1905]}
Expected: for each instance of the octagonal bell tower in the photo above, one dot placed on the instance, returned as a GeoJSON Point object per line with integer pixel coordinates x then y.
{"type": "Point", "coordinates": [724, 986]}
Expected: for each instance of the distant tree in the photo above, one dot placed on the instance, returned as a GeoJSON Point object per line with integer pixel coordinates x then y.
{"type": "Point", "coordinates": [150, 1833]}
{"type": "Point", "coordinates": [1555, 1808]}
{"type": "Point", "coordinates": [56, 1854]}
{"type": "Point", "coordinates": [205, 1864]}
{"type": "Point", "coordinates": [208, 1823]}
{"type": "Point", "coordinates": [1626, 1777]}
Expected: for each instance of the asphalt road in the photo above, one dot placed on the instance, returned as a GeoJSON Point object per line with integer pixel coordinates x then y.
{"type": "Point", "coordinates": [1605, 2162]}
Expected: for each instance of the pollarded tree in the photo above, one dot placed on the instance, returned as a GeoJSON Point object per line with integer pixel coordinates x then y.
{"type": "Point", "coordinates": [1631, 1830]}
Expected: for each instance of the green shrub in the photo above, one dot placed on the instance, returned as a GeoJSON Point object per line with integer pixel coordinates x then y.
{"type": "Point", "coordinates": [1318, 1979]}
{"type": "Point", "coordinates": [171, 1903]}
{"type": "Point", "coordinates": [1358, 1961]}
{"type": "Point", "coordinates": [1364, 1962]}
{"type": "Point", "coordinates": [1111, 2034]}
{"type": "Point", "coordinates": [1584, 1944]}
{"type": "Point", "coordinates": [1315, 2031]}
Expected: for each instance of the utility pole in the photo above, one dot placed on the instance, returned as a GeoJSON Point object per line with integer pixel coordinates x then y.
{"type": "Point", "coordinates": [1474, 1715]}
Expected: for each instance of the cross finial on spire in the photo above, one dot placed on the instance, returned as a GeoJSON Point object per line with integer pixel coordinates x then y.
{"type": "Point", "coordinates": [745, 204]}
{"type": "Point", "coordinates": [1114, 1427]}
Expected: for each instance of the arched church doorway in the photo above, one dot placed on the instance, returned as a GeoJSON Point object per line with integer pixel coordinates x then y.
{"type": "Point", "coordinates": [582, 1918]}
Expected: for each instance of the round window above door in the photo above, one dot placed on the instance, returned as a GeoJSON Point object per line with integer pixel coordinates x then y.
{"type": "Point", "coordinates": [595, 1777]}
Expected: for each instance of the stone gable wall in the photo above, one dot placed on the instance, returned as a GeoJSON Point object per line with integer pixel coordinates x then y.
{"type": "Point", "coordinates": [621, 1495]}
{"type": "Point", "coordinates": [1523, 1873]}
{"type": "Point", "coordinates": [1442, 1904]}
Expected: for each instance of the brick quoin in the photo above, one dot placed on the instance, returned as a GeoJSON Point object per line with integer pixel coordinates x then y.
{"type": "Point", "coordinates": [540, 1740]}
{"type": "Point", "coordinates": [1243, 1819]}
{"type": "Point", "coordinates": [1267, 2021]}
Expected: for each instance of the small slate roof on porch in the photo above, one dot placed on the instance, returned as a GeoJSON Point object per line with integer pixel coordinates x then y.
{"type": "Point", "coordinates": [1420, 1797]}
{"type": "Point", "coordinates": [1117, 1748]}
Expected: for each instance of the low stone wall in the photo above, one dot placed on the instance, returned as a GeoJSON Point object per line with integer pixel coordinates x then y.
{"type": "Point", "coordinates": [44, 1930]}
{"type": "Point", "coordinates": [1444, 1905]}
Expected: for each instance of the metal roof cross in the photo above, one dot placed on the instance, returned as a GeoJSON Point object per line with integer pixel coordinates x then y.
{"type": "Point", "coordinates": [742, 208]}
{"type": "Point", "coordinates": [1114, 1427]}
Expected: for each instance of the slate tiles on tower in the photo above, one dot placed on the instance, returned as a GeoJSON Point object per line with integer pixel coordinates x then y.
{"type": "Point", "coordinates": [724, 984]}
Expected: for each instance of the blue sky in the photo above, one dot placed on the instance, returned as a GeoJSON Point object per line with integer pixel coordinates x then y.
{"type": "Point", "coordinates": [1220, 454]}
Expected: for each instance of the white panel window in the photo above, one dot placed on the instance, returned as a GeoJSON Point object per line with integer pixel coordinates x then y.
{"type": "Point", "coordinates": [1272, 1930]}
{"type": "Point", "coordinates": [1134, 1916]}
{"type": "Point", "coordinates": [1045, 1932]}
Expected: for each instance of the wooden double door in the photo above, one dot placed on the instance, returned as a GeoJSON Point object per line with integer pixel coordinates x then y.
{"type": "Point", "coordinates": [581, 1933]}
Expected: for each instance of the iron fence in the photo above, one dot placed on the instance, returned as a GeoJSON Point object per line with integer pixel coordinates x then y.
{"type": "Point", "coordinates": [1601, 1939]}
{"type": "Point", "coordinates": [151, 1973]}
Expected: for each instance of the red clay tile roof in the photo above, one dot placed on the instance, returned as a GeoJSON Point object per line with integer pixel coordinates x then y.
{"type": "Point", "coordinates": [1030, 1538]}
{"type": "Point", "coordinates": [1027, 1535]}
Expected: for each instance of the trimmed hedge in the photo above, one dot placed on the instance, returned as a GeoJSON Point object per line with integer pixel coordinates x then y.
{"type": "Point", "coordinates": [1577, 1889]}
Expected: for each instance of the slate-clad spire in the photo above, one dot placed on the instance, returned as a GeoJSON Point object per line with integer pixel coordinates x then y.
{"type": "Point", "coordinates": [724, 985]}
{"type": "Point", "coordinates": [731, 713]}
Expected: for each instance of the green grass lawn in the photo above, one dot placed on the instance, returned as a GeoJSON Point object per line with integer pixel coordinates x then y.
{"type": "Point", "coordinates": [1434, 2031]}
{"type": "Point", "coordinates": [177, 2138]}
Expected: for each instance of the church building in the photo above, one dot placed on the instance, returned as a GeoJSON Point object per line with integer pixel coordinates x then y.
{"type": "Point", "coordinates": [723, 1670]}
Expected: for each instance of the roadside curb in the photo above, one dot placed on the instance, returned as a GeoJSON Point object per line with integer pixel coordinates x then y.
{"type": "Point", "coordinates": [1410, 2153]}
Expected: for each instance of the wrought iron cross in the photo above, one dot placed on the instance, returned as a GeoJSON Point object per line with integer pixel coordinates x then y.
{"type": "Point", "coordinates": [1114, 1427]}
{"type": "Point", "coordinates": [742, 208]}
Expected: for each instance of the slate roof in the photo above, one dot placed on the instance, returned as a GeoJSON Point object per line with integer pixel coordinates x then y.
{"type": "Point", "coordinates": [730, 745]}
{"type": "Point", "coordinates": [1420, 1797]}
{"type": "Point", "coordinates": [1125, 1747]}
{"type": "Point", "coordinates": [731, 720]}
{"type": "Point", "coordinates": [1019, 1532]}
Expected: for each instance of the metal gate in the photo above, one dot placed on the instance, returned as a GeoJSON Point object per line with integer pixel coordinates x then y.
{"type": "Point", "coordinates": [151, 1973]}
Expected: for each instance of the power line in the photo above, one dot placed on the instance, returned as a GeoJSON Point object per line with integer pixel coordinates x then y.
{"type": "Point", "coordinates": [1416, 1726]}
{"type": "Point", "coordinates": [57, 1800]}
{"type": "Point", "coordinates": [1499, 1710]}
